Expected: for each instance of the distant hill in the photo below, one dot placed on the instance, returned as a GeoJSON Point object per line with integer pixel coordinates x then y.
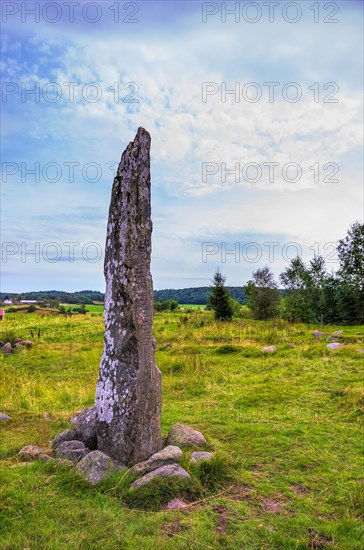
{"type": "Point", "coordinates": [196, 295]}
{"type": "Point", "coordinates": [81, 297]}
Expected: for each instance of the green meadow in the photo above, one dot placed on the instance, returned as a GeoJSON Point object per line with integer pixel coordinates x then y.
{"type": "Point", "coordinates": [285, 426]}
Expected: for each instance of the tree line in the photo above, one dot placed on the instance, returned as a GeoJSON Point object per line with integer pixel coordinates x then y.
{"type": "Point", "coordinates": [311, 294]}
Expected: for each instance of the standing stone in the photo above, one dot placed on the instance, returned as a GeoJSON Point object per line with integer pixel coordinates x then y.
{"type": "Point", "coordinates": [128, 392]}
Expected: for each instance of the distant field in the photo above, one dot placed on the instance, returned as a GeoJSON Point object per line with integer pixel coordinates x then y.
{"type": "Point", "coordinates": [92, 308]}
{"type": "Point", "coordinates": [287, 424]}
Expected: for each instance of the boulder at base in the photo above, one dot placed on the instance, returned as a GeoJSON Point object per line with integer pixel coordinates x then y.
{"type": "Point", "coordinates": [95, 466]}
{"type": "Point", "coordinates": [169, 455]}
{"type": "Point", "coordinates": [171, 470]}
{"type": "Point", "coordinates": [184, 436]}
{"type": "Point", "coordinates": [30, 451]}
{"type": "Point", "coordinates": [72, 450]}
{"type": "Point", "coordinates": [67, 435]}
{"type": "Point", "coordinates": [85, 426]}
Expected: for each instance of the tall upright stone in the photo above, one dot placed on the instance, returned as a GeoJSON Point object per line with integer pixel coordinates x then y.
{"type": "Point", "coordinates": [128, 392]}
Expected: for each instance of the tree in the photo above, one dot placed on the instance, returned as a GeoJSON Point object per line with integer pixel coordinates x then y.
{"type": "Point", "coordinates": [350, 295]}
{"type": "Point", "coordinates": [295, 279]}
{"type": "Point", "coordinates": [219, 298]}
{"type": "Point", "coordinates": [263, 294]}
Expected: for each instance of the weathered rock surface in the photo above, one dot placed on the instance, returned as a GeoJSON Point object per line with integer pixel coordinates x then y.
{"type": "Point", "coordinates": [334, 345]}
{"type": "Point", "coordinates": [4, 417]}
{"type": "Point", "coordinates": [72, 450]}
{"type": "Point", "coordinates": [128, 393]}
{"type": "Point", "coordinates": [95, 466]}
{"type": "Point", "coordinates": [184, 436]}
{"type": "Point", "coordinates": [6, 348]}
{"type": "Point", "coordinates": [175, 504]}
{"type": "Point", "coordinates": [169, 455]}
{"type": "Point", "coordinates": [25, 343]}
{"type": "Point", "coordinates": [268, 349]}
{"type": "Point", "coordinates": [67, 435]}
{"type": "Point", "coordinates": [85, 426]}
{"type": "Point", "coordinates": [199, 456]}
{"type": "Point", "coordinates": [318, 334]}
{"type": "Point", "coordinates": [30, 451]}
{"type": "Point", "coordinates": [171, 470]}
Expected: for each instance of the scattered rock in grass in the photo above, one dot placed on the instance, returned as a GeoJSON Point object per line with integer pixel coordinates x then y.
{"type": "Point", "coordinates": [6, 348]}
{"type": "Point", "coordinates": [25, 343]}
{"type": "Point", "coordinates": [268, 349]}
{"type": "Point", "coordinates": [359, 351]}
{"type": "Point", "coordinates": [67, 435]}
{"type": "Point", "coordinates": [85, 426]}
{"type": "Point", "coordinates": [331, 339]}
{"type": "Point", "coordinates": [337, 333]}
{"type": "Point", "coordinates": [171, 470]}
{"type": "Point", "coordinates": [72, 450]}
{"type": "Point", "coordinates": [318, 334]}
{"type": "Point", "coordinates": [47, 417]}
{"type": "Point", "coordinates": [334, 345]}
{"type": "Point", "coordinates": [169, 455]}
{"type": "Point", "coordinates": [184, 436]}
{"type": "Point", "coordinates": [30, 451]}
{"type": "Point", "coordinates": [199, 456]}
{"type": "Point", "coordinates": [175, 504]}
{"type": "Point", "coordinates": [4, 417]}
{"type": "Point", "coordinates": [95, 466]}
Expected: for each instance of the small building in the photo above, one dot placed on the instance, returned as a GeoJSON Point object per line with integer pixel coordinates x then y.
{"type": "Point", "coordinates": [28, 301]}
{"type": "Point", "coordinates": [2, 314]}
{"type": "Point", "coordinates": [8, 302]}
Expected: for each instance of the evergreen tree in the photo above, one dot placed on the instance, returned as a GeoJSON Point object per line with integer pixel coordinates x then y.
{"type": "Point", "coordinates": [263, 294]}
{"type": "Point", "coordinates": [220, 299]}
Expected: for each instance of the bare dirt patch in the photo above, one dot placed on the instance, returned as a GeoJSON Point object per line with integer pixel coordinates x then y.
{"type": "Point", "coordinates": [222, 518]}
{"type": "Point", "coordinates": [239, 492]}
{"type": "Point", "coordinates": [300, 490]}
{"type": "Point", "coordinates": [273, 504]}
{"type": "Point", "coordinates": [173, 527]}
{"type": "Point", "coordinates": [319, 540]}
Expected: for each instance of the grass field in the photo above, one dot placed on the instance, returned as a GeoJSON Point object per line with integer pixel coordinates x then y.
{"type": "Point", "coordinates": [92, 308]}
{"type": "Point", "coordinates": [287, 427]}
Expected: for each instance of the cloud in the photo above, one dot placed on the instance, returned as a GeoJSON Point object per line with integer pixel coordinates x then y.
{"type": "Point", "coordinates": [168, 65]}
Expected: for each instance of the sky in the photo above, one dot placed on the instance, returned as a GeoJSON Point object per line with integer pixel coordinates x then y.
{"type": "Point", "coordinates": [255, 114]}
